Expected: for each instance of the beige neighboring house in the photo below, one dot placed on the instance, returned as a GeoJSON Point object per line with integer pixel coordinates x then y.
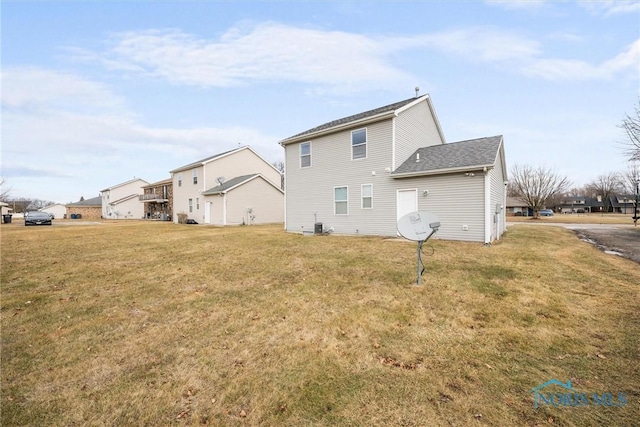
{"type": "Point", "coordinates": [361, 173]}
{"type": "Point", "coordinates": [85, 209]}
{"type": "Point", "coordinates": [58, 210]}
{"type": "Point", "coordinates": [231, 188]}
{"type": "Point", "coordinates": [122, 201]}
{"type": "Point", "coordinates": [5, 209]}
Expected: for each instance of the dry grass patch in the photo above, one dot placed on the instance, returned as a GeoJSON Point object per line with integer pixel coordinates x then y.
{"type": "Point", "coordinates": [587, 218]}
{"type": "Point", "coordinates": [164, 324]}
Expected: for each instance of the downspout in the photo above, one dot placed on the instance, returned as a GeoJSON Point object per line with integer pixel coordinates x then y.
{"type": "Point", "coordinates": [487, 208]}
{"type": "Point", "coordinates": [224, 208]}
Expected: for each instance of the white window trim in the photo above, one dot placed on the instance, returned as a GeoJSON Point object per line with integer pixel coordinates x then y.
{"type": "Point", "coordinates": [366, 143]}
{"type": "Point", "coordinates": [362, 195]}
{"type": "Point", "coordinates": [300, 155]}
{"type": "Point", "coordinates": [334, 199]}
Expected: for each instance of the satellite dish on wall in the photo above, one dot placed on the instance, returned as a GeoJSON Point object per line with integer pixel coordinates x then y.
{"type": "Point", "coordinates": [220, 179]}
{"type": "Point", "coordinates": [418, 226]}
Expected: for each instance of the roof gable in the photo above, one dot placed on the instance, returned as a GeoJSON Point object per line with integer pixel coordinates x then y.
{"type": "Point", "coordinates": [380, 112]}
{"type": "Point", "coordinates": [470, 154]}
{"type": "Point", "coordinates": [207, 160]}
{"type": "Point", "coordinates": [123, 184]}
{"type": "Point", "coordinates": [235, 183]}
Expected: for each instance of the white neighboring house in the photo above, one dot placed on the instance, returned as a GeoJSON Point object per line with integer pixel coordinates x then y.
{"type": "Point", "coordinates": [231, 188]}
{"type": "Point", "coordinates": [58, 210]}
{"type": "Point", "coordinates": [121, 201]}
{"type": "Point", "coordinates": [360, 174]}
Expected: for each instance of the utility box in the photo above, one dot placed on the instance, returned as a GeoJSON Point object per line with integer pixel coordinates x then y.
{"type": "Point", "coordinates": [318, 228]}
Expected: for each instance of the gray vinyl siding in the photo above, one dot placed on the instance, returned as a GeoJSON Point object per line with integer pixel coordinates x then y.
{"type": "Point", "coordinates": [310, 189]}
{"type": "Point", "coordinates": [415, 128]}
{"type": "Point", "coordinates": [457, 200]}
{"type": "Point", "coordinates": [498, 190]}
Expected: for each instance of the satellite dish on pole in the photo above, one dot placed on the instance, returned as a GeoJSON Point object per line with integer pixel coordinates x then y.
{"type": "Point", "coordinates": [220, 179]}
{"type": "Point", "coordinates": [418, 226]}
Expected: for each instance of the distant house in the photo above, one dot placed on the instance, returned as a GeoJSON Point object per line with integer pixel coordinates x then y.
{"type": "Point", "coordinates": [58, 210]}
{"type": "Point", "coordinates": [518, 207]}
{"type": "Point", "coordinates": [624, 204]}
{"type": "Point", "coordinates": [85, 209]}
{"type": "Point", "coordinates": [230, 188]}
{"type": "Point", "coordinates": [158, 200]}
{"type": "Point", "coordinates": [580, 204]}
{"type": "Point", "coordinates": [121, 201]}
{"type": "Point", "coordinates": [360, 174]}
{"type": "Point", "coordinates": [5, 209]}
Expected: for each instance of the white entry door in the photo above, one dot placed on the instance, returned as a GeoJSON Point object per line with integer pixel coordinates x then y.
{"type": "Point", "coordinates": [407, 201]}
{"type": "Point", "coordinates": [207, 212]}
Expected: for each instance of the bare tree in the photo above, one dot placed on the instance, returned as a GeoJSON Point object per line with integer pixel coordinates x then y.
{"type": "Point", "coordinates": [4, 190]}
{"type": "Point", "coordinates": [631, 126]}
{"type": "Point", "coordinates": [631, 178]}
{"type": "Point", "coordinates": [280, 166]}
{"type": "Point", "coordinates": [537, 185]}
{"type": "Point", "coordinates": [605, 186]}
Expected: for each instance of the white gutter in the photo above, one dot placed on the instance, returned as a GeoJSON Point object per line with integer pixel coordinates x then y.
{"type": "Point", "coordinates": [442, 171]}
{"type": "Point", "coordinates": [487, 208]}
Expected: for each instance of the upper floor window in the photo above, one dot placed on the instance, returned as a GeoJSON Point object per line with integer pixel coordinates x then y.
{"type": "Point", "coordinates": [180, 179]}
{"type": "Point", "coordinates": [367, 196]}
{"type": "Point", "coordinates": [195, 176]}
{"type": "Point", "coordinates": [305, 154]}
{"type": "Point", "coordinates": [341, 200]}
{"type": "Point", "coordinates": [359, 144]}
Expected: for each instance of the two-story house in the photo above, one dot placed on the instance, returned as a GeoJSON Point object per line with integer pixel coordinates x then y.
{"type": "Point", "coordinates": [121, 201]}
{"type": "Point", "coordinates": [158, 200]}
{"type": "Point", "coordinates": [231, 188]}
{"type": "Point", "coordinates": [360, 174]}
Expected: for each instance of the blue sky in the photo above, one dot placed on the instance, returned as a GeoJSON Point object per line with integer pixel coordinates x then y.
{"type": "Point", "coordinates": [97, 92]}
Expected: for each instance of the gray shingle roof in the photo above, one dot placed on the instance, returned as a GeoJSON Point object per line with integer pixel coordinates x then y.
{"type": "Point", "coordinates": [229, 184]}
{"type": "Point", "coordinates": [472, 153]}
{"type": "Point", "coordinates": [95, 201]}
{"type": "Point", "coordinates": [200, 162]}
{"type": "Point", "coordinates": [354, 118]}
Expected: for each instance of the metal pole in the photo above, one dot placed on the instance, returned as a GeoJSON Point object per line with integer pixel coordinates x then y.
{"type": "Point", "coordinates": [419, 281]}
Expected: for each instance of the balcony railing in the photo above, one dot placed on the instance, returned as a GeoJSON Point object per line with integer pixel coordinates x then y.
{"type": "Point", "coordinates": [157, 198]}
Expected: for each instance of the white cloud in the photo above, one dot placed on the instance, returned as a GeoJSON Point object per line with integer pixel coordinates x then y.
{"type": "Point", "coordinates": [566, 69]}
{"type": "Point", "coordinates": [332, 61]}
{"type": "Point", "coordinates": [266, 52]}
{"type": "Point", "coordinates": [80, 136]}
{"type": "Point", "coordinates": [611, 7]}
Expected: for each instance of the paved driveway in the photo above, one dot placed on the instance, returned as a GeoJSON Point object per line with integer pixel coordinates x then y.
{"type": "Point", "coordinates": [622, 240]}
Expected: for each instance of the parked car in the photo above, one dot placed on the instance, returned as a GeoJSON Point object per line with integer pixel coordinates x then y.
{"type": "Point", "coordinates": [37, 218]}
{"type": "Point", "coordinates": [546, 212]}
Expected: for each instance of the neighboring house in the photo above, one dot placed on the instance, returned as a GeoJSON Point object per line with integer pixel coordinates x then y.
{"type": "Point", "coordinates": [517, 207]}
{"type": "Point", "coordinates": [248, 199]}
{"type": "Point", "coordinates": [360, 174]}
{"type": "Point", "coordinates": [230, 188]}
{"type": "Point", "coordinates": [58, 210]}
{"type": "Point", "coordinates": [5, 209]}
{"type": "Point", "coordinates": [85, 209]}
{"type": "Point", "coordinates": [580, 204]}
{"type": "Point", "coordinates": [158, 200]}
{"type": "Point", "coordinates": [121, 201]}
{"type": "Point", "coordinates": [623, 204]}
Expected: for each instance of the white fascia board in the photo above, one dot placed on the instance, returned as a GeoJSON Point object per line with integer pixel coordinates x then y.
{"type": "Point", "coordinates": [355, 123]}
{"type": "Point", "coordinates": [443, 171]}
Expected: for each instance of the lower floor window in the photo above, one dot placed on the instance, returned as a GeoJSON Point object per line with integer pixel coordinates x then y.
{"type": "Point", "coordinates": [341, 200]}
